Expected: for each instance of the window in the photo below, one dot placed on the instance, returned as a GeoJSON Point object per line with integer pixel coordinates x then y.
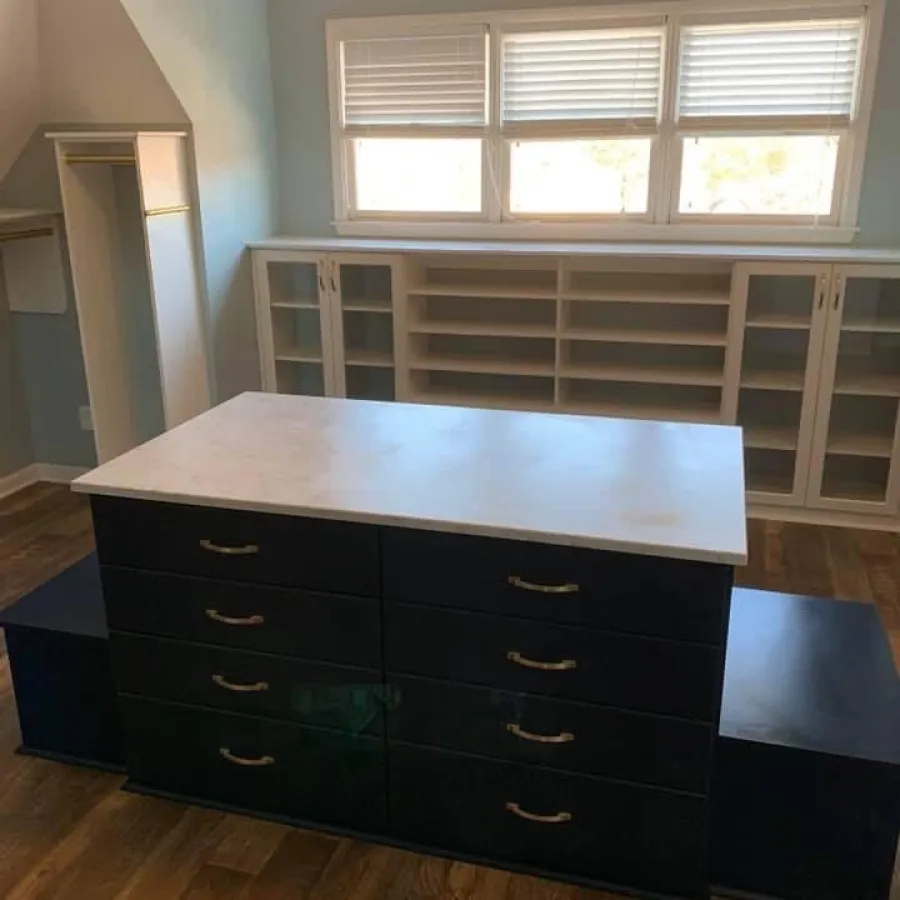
{"type": "Point", "coordinates": [695, 118]}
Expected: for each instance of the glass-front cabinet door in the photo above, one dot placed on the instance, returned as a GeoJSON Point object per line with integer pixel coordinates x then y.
{"type": "Point", "coordinates": [771, 382]}
{"type": "Point", "coordinates": [364, 288]}
{"type": "Point", "coordinates": [855, 447]}
{"type": "Point", "coordinates": [293, 323]}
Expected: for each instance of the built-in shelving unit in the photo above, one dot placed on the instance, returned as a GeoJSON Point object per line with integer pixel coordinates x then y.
{"type": "Point", "coordinates": [803, 354]}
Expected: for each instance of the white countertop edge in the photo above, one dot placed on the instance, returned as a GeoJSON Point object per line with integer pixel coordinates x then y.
{"type": "Point", "coordinates": [690, 554]}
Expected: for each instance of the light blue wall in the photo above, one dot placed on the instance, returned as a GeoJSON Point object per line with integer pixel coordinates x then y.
{"type": "Point", "coordinates": [48, 347]}
{"type": "Point", "coordinates": [301, 101]}
{"type": "Point", "coordinates": [215, 55]}
{"type": "Point", "coordinates": [15, 435]}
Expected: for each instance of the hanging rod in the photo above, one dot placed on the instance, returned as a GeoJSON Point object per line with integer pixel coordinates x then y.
{"type": "Point", "coordinates": [21, 235]}
{"type": "Point", "coordinates": [108, 159]}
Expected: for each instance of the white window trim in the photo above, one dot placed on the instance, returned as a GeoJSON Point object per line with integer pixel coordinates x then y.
{"type": "Point", "coordinates": [663, 221]}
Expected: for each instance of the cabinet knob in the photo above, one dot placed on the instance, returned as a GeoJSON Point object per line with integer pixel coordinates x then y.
{"type": "Point", "coordinates": [245, 550]}
{"type": "Point", "coordinates": [216, 616]}
{"type": "Point", "coordinates": [555, 819]}
{"type": "Point", "coordinates": [255, 688]}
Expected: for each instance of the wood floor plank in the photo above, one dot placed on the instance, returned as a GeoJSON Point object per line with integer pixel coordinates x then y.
{"type": "Point", "coordinates": [214, 883]}
{"type": "Point", "coordinates": [246, 844]}
{"type": "Point", "coordinates": [294, 868]}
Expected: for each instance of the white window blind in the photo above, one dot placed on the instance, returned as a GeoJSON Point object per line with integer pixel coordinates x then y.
{"type": "Point", "coordinates": [416, 80]}
{"type": "Point", "coordinates": [609, 75]}
{"type": "Point", "coordinates": [783, 70]}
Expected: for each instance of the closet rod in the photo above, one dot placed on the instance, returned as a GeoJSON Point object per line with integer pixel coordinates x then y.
{"type": "Point", "coordinates": [21, 235]}
{"type": "Point", "coordinates": [110, 160]}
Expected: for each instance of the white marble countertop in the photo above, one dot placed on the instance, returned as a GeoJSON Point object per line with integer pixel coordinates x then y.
{"type": "Point", "coordinates": [653, 488]}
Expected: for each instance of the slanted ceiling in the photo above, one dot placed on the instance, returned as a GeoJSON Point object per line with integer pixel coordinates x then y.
{"type": "Point", "coordinates": [20, 89]}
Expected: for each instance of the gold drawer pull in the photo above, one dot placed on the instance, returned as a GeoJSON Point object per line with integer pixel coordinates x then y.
{"type": "Point", "coordinates": [225, 753]}
{"type": "Point", "coordinates": [222, 682]}
{"type": "Point", "coordinates": [569, 588]}
{"type": "Point", "coordinates": [246, 550]}
{"type": "Point", "coordinates": [561, 666]}
{"type": "Point", "coordinates": [216, 616]}
{"type": "Point", "coordinates": [562, 738]}
{"type": "Point", "coordinates": [560, 817]}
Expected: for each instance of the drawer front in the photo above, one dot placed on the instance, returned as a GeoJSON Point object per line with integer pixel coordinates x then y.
{"type": "Point", "coordinates": [239, 546]}
{"type": "Point", "coordinates": [318, 626]}
{"type": "Point", "coordinates": [339, 697]}
{"type": "Point", "coordinates": [256, 764]}
{"type": "Point", "coordinates": [560, 734]}
{"type": "Point", "coordinates": [614, 591]}
{"type": "Point", "coordinates": [592, 666]}
{"type": "Point", "coordinates": [604, 830]}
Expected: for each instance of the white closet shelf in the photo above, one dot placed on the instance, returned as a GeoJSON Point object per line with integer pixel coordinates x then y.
{"type": "Point", "coordinates": [770, 483]}
{"type": "Point", "coordinates": [10, 215]}
{"type": "Point", "coordinates": [875, 326]}
{"type": "Point", "coordinates": [861, 445]}
{"type": "Point", "coordinates": [295, 304]}
{"type": "Point", "coordinates": [759, 437]}
{"type": "Point", "coordinates": [868, 385]}
{"type": "Point", "coordinates": [368, 306]}
{"type": "Point", "coordinates": [477, 398]}
{"type": "Point", "coordinates": [487, 291]}
{"type": "Point", "coordinates": [774, 381]}
{"type": "Point", "coordinates": [299, 356]}
{"type": "Point", "coordinates": [841, 489]}
{"type": "Point", "coordinates": [703, 414]}
{"type": "Point", "coordinates": [481, 366]}
{"type": "Point", "coordinates": [644, 336]}
{"type": "Point", "coordinates": [692, 298]}
{"type": "Point", "coordinates": [779, 320]}
{"type": "Point", "coordinates": [488, 329]}
{"type": "Point", "coordinates": [646, 374]}
{"type": "Point", "coordinates": [369, 358]}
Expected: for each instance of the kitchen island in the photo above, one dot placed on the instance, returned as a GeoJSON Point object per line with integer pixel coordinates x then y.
{"type": "Point", "coordinates": [487, 634]}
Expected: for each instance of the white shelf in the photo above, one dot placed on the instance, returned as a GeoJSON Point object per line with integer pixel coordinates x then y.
{"type": "Point", "coordinates": [641, 336]}
{"type": "Point", "coordinates": [485, 329]}
{"type": "Point", "coordinates": [693, 298]}
{"type": "Point", "coordinates": [479, 365]}
{"type": "Point", "coordinates": [701, 414]}
{"type": "Point", "coordinates": [446, 397]}
{"type": "Point", "coordinates": [779, 320]}
{"type": "Point", "coordinates": [770, 483]}
{"type": "Point", "coordinates": [770, 438]}
{"type": "Point", "coordinates": [861, 445]}
{"type": "Point", "coordinates": [299, 356]}
{"type": "Point", "coordinates": [294, 304]}
{"type": "Point", "coordinates": [368, 306]}
{"type": "Point", "coordinates": [868, 385]}
{"type": "Point", "coordinates": [646, 374]}
{"type": "Point", "coordinates": [774, 381]}
{"type": "Point", "coordinates": [871, 326]}
{"type": "Point", "coordinates": [486, 291]}
{"type": "Point", "coordinates": [11, 216]}
{"type": "Point", "coordinates": [369, 358]}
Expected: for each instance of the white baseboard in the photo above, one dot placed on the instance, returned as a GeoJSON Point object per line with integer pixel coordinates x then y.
{"type": "Point", "coordinates": [29, 475]}
{"type": "Point", "coordinates": [59, 474]}
{"type": "Point", "coordinates": [15, 481]}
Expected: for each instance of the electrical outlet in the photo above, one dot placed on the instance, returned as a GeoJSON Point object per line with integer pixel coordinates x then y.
{"type": "Point", "coordinates": [85, 418]}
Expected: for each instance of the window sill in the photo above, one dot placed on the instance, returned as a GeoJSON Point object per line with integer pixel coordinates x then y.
{"type": "Point", "coordinates": [544, 231]}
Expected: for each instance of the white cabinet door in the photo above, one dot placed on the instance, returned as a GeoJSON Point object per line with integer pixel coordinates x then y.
{"type": "Point", "coordinates": [365, 295]}
{"type": "Point", "coordinates": [296, 344]}
{"type": "Point", "coordinates": [777, 332]}
{"type": "Point", "coordinates": [856, 442]}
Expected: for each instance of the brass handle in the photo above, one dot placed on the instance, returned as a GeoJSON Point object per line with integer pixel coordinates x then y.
{"type": "Point", "coordinates": [246, 550]}
{"type": "Point", "coordinates": [823, 290]}
{"type": "Point", "coordinates": [556, 819]}
{"type": "Point", "coordinates": [223, 682]}
{"type": "Point", "coordinates": [322, 287]}
{"type": "Point", "coordinates": [561, 666]}
{"type": "Point", "coordinates": [562, 738]}
{"type": "Point", "coordinates": [334, 277]}
{"type": "Point", "coordinates": [216, 616]}
{"type": "Point", "coordinates": [837, 291]}
{"type": "Point", "coordinates": [225, 753]}
{"type": "Point", "coordinates": [515, 581]}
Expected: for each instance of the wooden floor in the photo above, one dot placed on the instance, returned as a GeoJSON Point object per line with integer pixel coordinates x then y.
{"type": "Point", "coordinates": [70, 834]}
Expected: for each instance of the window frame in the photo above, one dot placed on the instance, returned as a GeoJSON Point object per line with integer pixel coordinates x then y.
{"type": "Point", "coordinates": [663, 219]}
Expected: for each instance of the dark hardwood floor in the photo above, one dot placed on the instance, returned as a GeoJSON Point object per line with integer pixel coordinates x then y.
{"type": "Point", "coordinates": [70, 834]}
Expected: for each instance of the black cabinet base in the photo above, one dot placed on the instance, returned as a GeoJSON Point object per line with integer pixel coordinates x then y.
{"type": "Point", "coordinates": [135, 788]}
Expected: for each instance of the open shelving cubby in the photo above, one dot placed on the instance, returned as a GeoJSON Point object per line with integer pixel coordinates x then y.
{"type": "Point", "coordinates": [646, 342]}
